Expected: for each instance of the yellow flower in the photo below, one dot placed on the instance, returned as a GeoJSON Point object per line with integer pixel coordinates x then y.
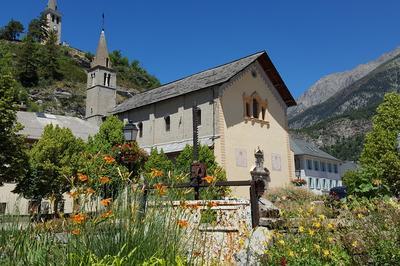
{"type": "Point", "coordinates": [360, 216]}
{"type": "Point", "coordinates": [78, 218]}
{"type": "Point", "coordinates": [182, 223]}
{"type": "Point", "coordinates": [354, 244]}
{"type": "Point", "coordinates": [301, 229]}
{"type": "Point", "coordinates": [325, 252]}
{"type": "Point", "coordinates": [209, 179]}
{"type": "Point", "coordinates": [317, 225]}
{"type": "Point", "coordinates": [330, 239]}
{"type": "Point", "coordinates": [83, 177]}
{"type": "Point", "coordinates": [76, 232]}
{"type": "Point", "coordinates": [105, 202]}
{"type": "Point", "coordinates": [156, 173]}
{"type": "Point", "coordinates": [330, 226]}
{"type": "Point", "coordinates": [377, 182]}
{"type": "Point", "coordinates": [109, 159]}
{"type": "Point", "coordinates": [322, 217]}
{"type": "Point", "coordinates": [104, 180]}
{"type": "Point", "coordinates": [291, 253]}
{"type": "Point", "coordinates": [304, 250]}
{"type": "Point", "coordinates": [317, 247]}
{"type": "Point", "coordinates": [281, 242]}
{"type": "Point", "coordinates": [183, 204]}
{"type": "Point", "coordinates": [311, 232]}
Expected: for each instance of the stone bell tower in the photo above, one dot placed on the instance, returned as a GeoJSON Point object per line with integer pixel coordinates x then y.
{"type": "Point", "coordinates": [101, 85]}
{"type": "Point", "coordinates": [53, 18]}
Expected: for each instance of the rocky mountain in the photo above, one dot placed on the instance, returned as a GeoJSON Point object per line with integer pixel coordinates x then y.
{"type": "Point", "coordinates": [339, 123]}
{"type": "Point", "coordinates": [329, 85]}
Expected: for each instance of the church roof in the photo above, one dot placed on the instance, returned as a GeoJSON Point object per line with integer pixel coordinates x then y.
{"type": "Point", "coordinates": [101, 58]}
{"type": "Point", "coordinates": [52, 4]}
{"type": "Point", "coordinates": [34, 124]}
{"type": "Point", "coordinates": [302, 147]}
{"type": "Point", "coordinates": [211, 77]}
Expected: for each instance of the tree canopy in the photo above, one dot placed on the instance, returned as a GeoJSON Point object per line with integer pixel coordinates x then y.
{"type": "Point", "coordinates": [11, 31]}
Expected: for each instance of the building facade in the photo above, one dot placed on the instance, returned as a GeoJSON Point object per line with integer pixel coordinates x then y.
{"type": "Point", "coordinates": [54, 18]}
{"type": "Point", "coordinates": [242, 107]}
{"type": "Point", "coordinates": [319, 169]}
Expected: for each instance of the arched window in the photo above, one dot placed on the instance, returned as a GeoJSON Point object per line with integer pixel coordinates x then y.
{"type": "Point", "coordinates": [256, 112]}
{"type": "Point", "coordinates": [107, 62]}
{"type": "Point", "coordinates": [263, 112]}
{"type": "Point", "coordinates": [109, 80]}
{"type": "Point", "coordinates": [248, 110]}
{"type": "Point", "coordinates": [105, 79]}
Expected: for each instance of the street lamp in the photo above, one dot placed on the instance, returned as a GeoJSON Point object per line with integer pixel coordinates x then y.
{"type": "Point", "coordinates": [130, 132]}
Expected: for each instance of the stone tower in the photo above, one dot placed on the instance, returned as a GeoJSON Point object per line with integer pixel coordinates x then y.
{"type": "Point", "coordinates": [101, 85]}
{"type": "Point", "coordinates": [53, 18]}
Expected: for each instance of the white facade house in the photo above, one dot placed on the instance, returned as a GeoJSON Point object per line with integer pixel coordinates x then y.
{"type": "Point", "coordinates": [319, 169]}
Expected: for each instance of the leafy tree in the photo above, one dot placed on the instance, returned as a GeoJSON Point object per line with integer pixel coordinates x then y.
{"type": "Point", "coordinates": [159, 161]}
{"type": "Point", "coordinates": [110, 134]}
{"type": "Point", "coordinates": [27, 64]}
{"type": "Point", "coordinates": [118, 60]}
{"type": "Point", "coordinates": [50, 65]}
{"type": "Point", "coordinates": [380, 160]}
{"type": "Point", "coordinates": [11, 31]}
{"type": "Point", "coordinates": [12, 147]}
{"type": "Point", "coordinates": [53, 160]}
{"type": "Point", "coordinates": [38, 29]}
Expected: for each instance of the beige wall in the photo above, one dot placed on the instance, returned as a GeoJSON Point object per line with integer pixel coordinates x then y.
{"type": "Point", "coordinates": [239, 138]}
{"type": "Point", "coordinates": [180, 111]}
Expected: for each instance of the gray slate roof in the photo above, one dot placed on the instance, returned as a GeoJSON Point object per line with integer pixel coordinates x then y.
{"type": "Point", "coordinates": [205, 79]}
{"type": "Point", "coordinates": [34, 124]}
{"type": "Point", "coordinates": [301, 147]}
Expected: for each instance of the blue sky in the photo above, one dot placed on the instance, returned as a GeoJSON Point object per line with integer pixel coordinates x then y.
{"type": "Point", "coordinates": [305, 39]}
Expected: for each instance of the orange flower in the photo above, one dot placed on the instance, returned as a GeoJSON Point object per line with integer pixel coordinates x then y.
{"type": "Point", "coordinates": [209, 179]}
{"type": "Point", "coordinates": [104, 180]}
{"type": "Point", "coordinates": [90, 191]}
{"type": "Point", "coordinates": [106, 214]}
{"type": "Point", "coordinates": [212, 204]}
{"type": "Point", "coordinates": [109, 159]}
{"type": "Point", "coordinates": [156, 173]}
{"type": "Point", "coordinates": [194, 206]}
{"type": "Point", "coordinates": [76, 232]}
{"type": "Point", "coordinates": [73, 194]}
{"type": "Point", "coordinates": [105, 202]}
{"type": "Point", "coordinates": [182, 223]}
{"type": "Point", "coordinates": [83, 177]}
{"type": "Point", "coordinates": [78, 218]}
{"type": "Point", "coordinates": [161, 189]}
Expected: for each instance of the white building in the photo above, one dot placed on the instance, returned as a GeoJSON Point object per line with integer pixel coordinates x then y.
{"type": "Point", "coordinates": [318, 168]}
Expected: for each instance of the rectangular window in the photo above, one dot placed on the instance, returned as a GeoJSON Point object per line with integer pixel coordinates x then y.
{"type": "Point", "coordinates": [331, 183]}
{"type": "Point", "coordinates": [310, 182]}
{"type": "Point", "coordinates": [3, 207]}
{"type": "Point", "coordinates": [167, 123]}
{"type": "Point", "coordinates": [323, 183]}
{"type": "Point", "coordinates": [309, 165]}
{"type": "Point", "coordinates": [198, 114]}
{"type": "Point", "coordinates": [140, 126]}
{"type": "Point", "coordinates": [317, 183]}
{"type": "Point", "coordinates": [323, 166]}
{"type": "Point", "coordinates": [329, 167]}
{"type": "Point", "coordinates": [335, 168]}
{"type": "Point", "coordinates": [316, 165]}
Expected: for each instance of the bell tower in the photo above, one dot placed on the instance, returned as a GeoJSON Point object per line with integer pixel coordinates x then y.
{"type": "Point", "coordinates": [101, 84]}
{"type": "Point", "coordinates": [53, 18]}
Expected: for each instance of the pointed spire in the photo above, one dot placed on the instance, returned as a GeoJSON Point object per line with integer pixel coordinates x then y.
{"type": "Point", "coordinates": [101, 58]}
{"type": "Point", "coordinates": [52, 4]}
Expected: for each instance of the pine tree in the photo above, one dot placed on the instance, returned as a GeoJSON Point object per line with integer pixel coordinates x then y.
{"type": "Point", "coordinates": [27, 63]}
{"type": "Point", "coordinates": [50, 65]}
{"type": "Point", "coordinates": [38, 29]}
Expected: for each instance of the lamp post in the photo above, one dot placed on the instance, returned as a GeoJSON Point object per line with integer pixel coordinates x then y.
{"type": "Point", "coordinates": [130, 132]}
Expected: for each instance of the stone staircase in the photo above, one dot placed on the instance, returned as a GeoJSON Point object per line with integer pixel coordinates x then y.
{"type": "Point", "coordinates": [269, 215]}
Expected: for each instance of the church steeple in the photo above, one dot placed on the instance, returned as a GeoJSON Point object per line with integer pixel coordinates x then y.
{"type": "Point", "coordinates": [102, 57]}
{"type": "Point", "coordinates": [52, 4]}
{"type": "Point", "coordinates": [101, 85]}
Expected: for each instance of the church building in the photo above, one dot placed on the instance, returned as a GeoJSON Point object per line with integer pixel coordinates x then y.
{"type": "Point", "coordinates": [53, 18]}
{"type": "Point", "coordinates": [242, 107]}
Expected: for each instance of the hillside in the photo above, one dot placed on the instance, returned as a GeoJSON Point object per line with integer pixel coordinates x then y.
{"type": "Point", "coordinates": [327, 86]}
{"type": "Point", "coordinates": [65, 92]}
{"type": "Point", "coordinates": [339, 123]}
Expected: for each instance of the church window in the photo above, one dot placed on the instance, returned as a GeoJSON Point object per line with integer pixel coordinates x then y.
{"type": "Point", "coordinates": [91, 111]}
{"type": "Point", "coordinates": [255, 109]}
{"type": "Point", "coordinates": [140, 126]}
{"type": "Point", "coordinates": [107, 62]}
{"type": "Point", "coordinates": [167, 123]}
{"type": "Point", "coordinates": [109, 80]}
{"type": "Point", "coordinates": [58, 20]}
{"type": "Point", "coordinates": [263, 113]}
{"type": "Point", "coordinates": [247, 109]}
{"type": "Point", "coordinates": [105, 78]}
{"type": "Point", "coordinates": [53, 18]}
